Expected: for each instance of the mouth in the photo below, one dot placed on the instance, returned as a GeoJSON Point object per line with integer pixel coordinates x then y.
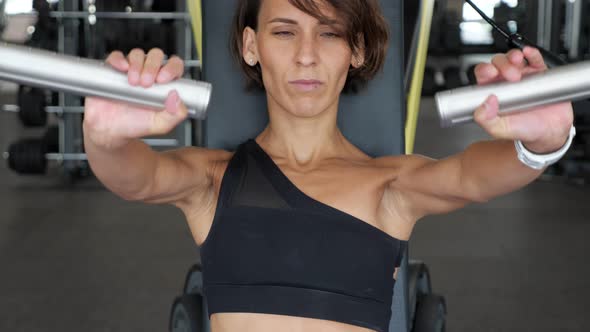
{"type": "Point", "coordinates": [306, 85]}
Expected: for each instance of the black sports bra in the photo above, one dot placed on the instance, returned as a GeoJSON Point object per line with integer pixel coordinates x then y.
{"type": "Point", "coordinates": [273, 249]}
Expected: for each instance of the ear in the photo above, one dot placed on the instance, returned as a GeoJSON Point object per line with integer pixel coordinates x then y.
{"type": "Point", "coordinates": [358, 54]}
{"type": "Point", "coordinates": [249, 48]}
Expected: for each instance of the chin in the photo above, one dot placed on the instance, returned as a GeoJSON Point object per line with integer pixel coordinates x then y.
{"type": "Point", "coordinates": [308, 109]}
{"type": "Point", "coordinates": [306, 114]}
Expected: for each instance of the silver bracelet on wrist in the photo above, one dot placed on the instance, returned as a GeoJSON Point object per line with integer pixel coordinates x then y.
{"type": "Point", "coordinates": [540, 161]}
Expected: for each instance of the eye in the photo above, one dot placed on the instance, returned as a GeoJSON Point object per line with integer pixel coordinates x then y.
{"type": "Point", "coordinates": [282, 33]}
{"type": "Point", "coordinates": [330, 34]}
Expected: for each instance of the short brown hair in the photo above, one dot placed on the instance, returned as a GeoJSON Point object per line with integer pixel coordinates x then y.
{"type": "Point", "coordinates": [361, 17]}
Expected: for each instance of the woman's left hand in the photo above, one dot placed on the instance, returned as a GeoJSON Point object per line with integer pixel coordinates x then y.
{"type": "Point", "coordinates": [543, 129]}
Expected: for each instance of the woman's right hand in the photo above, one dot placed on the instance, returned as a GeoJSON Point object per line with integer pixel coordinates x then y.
{"type": "Point", "coordinates": [112, 124]}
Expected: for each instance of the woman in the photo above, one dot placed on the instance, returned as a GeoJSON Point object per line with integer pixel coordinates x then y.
{"type": "Point", "coordinates": [305, 231]}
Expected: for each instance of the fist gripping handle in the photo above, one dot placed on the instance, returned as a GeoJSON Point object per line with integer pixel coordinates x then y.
{"type": "Point", "coordinates": [560, 84]}
{"type": "Point", "coordinates": [87, 77]}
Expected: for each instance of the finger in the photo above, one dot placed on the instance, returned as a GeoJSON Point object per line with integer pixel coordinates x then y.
{"type": "Point", "coordinates": [508, 71]}
{"type": "Point", "coordinates": [117, 60]}
{"type": "Point", "coordinates": [517, 58]}
{"type": "Point", "coordinates": [534, 57]}
{"type": "Point", "coordinates": [486, 73]}
{"type": "Point", "coordinates": [487, 116]}
{"type": "Point", "coordinates": [175, 112]}
{"type": "Point", "coordinates": [136, 58]}
{"type": "Point", "coordinates": [151, 66]}
{"type": "Point", "coordinates": [172, 70]}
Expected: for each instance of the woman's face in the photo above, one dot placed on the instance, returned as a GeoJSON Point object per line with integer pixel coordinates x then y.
{"type": "Point", "coordinates": [304, 62]}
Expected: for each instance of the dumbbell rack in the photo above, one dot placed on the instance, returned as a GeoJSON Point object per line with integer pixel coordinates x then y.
{"type": "Point", "coordinates": [69, 17]}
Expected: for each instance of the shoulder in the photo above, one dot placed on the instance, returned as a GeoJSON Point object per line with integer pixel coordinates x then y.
{"type": "Point", "coordinates": [201, 159]}
{"type": "Point", "coordinates": [218, 167]}
{"type": "Point", "coordinates": [391, 166]}
{"type": "Point", "coordinates": [202, 165]}
{"type": "Point", "coordinates": [402, 163]}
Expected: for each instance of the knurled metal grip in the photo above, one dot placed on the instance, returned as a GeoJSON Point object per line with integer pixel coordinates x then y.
{"type": "Point", "coordinates": [88, 77]}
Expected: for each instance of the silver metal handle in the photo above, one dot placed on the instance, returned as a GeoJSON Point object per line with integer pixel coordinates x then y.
{"type": "Point", "coordinates": [560, 84]}
{"type": "Point", "coordinates": [89, 77]}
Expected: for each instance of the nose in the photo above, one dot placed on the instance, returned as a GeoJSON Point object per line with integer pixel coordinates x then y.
{"type": "Point", "coordinates": [307, 49]}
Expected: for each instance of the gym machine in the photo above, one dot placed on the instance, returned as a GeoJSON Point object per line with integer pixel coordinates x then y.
{"type": "Point", "coordinates": [83, 77]}
{"type": "Point", "coordinates": [2, 16]}
{"type": "Point", "coordinates": [87, 77]}
{"type": "Point", "coordinates": [85, 28]}
{"type": "Point", "coordinates": [536, 90]}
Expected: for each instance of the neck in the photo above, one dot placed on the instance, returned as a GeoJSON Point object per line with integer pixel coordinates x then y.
{"type": "Point", "coordinates": [303, 141]}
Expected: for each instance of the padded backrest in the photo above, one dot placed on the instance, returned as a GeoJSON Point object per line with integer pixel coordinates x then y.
{"type": "Point", "coordinates": [372, 120]}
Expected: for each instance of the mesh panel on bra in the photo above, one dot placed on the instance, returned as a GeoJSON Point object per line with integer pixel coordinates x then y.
{"type": "Point", "coordinates": [254, 189]}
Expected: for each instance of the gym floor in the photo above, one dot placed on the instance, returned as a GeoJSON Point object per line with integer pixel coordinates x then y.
{"type": "Point", "coordinates": [77, 258]}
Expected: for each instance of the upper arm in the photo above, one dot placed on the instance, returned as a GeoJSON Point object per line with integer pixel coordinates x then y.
{"type": "Point", "coordinates": [428, 186]}
{"type": "Point", "coordinates": [182, 174]}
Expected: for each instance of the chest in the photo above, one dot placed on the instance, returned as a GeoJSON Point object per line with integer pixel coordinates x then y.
{"type": "Point", "coordinates": [361, 191]}
{"type": "Point", "coordinates": [354, 190]}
